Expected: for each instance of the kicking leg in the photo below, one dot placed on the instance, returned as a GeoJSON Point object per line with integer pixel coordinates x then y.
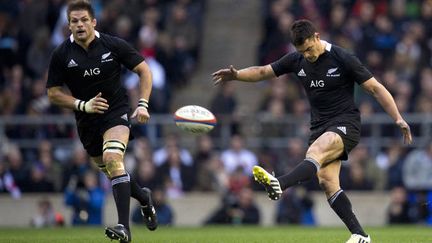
{"type": "Point", "coordinates": [326, 148]}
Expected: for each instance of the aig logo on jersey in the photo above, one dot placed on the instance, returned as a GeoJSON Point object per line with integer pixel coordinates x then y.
{"type": "Point", "coordinates": [91, 72]}
{"type": "Point", "coordinates": [317, 83]}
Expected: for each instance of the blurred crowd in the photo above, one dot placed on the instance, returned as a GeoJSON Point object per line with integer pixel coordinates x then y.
{"type": "Point", "coordinates": [166, 32]}
{"type": "Point", "coordinates": [393, 38]}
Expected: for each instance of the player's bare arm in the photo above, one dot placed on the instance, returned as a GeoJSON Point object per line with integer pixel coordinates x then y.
{"type": "Point", "coordinates": [141, 112]}
{"type": "Point", "coordinates": [58, 97]}
{"type": "Point", "coordinates": [386, 100]}
{"type": "Point", "coordinates": [250, 74]}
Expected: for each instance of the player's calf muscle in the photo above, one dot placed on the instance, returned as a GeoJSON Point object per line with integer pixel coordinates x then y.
{"type": "Point", "coordinates": [329, 185]}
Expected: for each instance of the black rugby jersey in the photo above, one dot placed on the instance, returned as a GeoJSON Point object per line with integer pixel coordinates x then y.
{"type": "Point", "coordinates": [329, 82]}
{"type": "Point", "coordinates": [86, 73]}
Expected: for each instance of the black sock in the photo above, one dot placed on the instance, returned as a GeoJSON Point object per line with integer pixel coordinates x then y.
{"type": "Point", "coordinates": [304, 171]}
{"type": "Point", "coordinates": [340, 203]}
{"type": "Point", "coordinates": [139, 194]}
{"type": "Point", "coordinates": [122, 193]}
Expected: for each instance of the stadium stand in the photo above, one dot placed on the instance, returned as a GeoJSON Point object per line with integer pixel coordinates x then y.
{"type": "Point", "coordinates": [182, 42]}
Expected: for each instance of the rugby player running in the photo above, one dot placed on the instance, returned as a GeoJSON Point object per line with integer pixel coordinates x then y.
{"type": "Point", "coordinates": [89, 65]}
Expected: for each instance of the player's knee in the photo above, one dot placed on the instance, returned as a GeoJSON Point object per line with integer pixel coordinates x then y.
{"type": "Point", "coordinates": [314, 152]}
{"type": "Point", "coordinates": [114, 166]}
{"type": "Point", "coordinates": [113, 152]}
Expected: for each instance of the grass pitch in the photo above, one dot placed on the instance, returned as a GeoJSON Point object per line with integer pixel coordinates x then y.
{"type": "Point", "coordinates": [223, 234]}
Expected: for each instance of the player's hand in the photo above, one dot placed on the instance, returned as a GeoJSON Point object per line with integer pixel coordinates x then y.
{"type": "Point", "coordinates": [96, 104]}
{"type": "Point", "coordinates": [224, 75]}
{"type": "Point", "coordinates": [141, 114]}
{"type": "Point", "coordinates": [406, 131]}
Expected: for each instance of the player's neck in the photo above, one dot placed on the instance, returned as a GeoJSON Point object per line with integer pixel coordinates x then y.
{"type": "Point", "coordinates": [323, 47]}
{"type": "Point", "coordinates": [85, 44]}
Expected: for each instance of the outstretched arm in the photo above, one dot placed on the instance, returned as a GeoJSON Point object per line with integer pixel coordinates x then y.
{"type": "Point", "coordinates": [250, 74]}
{"type": "Point", "coordinates": [387, 102]}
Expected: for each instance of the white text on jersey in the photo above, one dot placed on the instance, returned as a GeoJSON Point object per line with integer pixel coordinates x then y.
{"type": "Point", "coordinates": [91, 72]}
{"type": "Point", "coordinates": [317, 83]}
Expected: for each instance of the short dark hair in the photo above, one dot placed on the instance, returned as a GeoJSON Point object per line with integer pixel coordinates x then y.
{"type": "Point", "coordinates": [76, 5]}
{"type": "Point", "coordinates": [301, 30]}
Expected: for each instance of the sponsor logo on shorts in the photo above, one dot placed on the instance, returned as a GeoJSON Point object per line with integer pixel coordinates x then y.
{"type": "Point", "coordinates": [343, 129]}
{"type": "Point", "coordinates": [124, 117]}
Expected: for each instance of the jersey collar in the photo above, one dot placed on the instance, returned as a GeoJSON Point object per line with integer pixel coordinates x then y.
{"type": "Point", "coordinates": [328, 46]}
{"type": "Point", "coordinates": [97, 34]}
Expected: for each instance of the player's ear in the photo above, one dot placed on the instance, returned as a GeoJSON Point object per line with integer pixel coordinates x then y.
{"type": "Point", "coordinates": [317, 35]}
{"type": "Point", "coordinates": [94, 22]}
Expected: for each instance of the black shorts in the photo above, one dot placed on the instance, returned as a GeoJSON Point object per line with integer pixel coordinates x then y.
{"type": "Point", "coordinates": [348, 130]}
{"type": "Point", "coordinates": [92, 136]}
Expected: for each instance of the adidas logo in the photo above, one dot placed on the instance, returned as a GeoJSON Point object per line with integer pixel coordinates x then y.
{"type": "Point", "coordinates": [72, 63]}
{"type": "Point", "coordinates": [124, 117]}
{"type": "Point", "coordinates": [343, 129]}
{"type": "Point", "coordinates": [301, 73]}
{"type": "Point", "coordinates": [331, 72]}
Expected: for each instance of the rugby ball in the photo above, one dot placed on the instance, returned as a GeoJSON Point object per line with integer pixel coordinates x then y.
{"type": "Point", "coordinates": [194, 119]}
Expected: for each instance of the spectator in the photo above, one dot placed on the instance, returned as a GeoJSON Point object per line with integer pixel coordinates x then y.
{"type": "Point", "coordinates": [238, 156]}
{"type": "Point", "coordinates": [76, 167]}
{"type": "Point", "coordinates": [399, 211]}
{"type": "Point", "coordinates": [7, 182]}
{"type": "Point", "coordinates": [141, 151]}
{"type": "Point", "coordinates": [391, 161]}
{"type": "Point", "coordinates": [372, 173]}
{"type": "Point", "coordinates": [17, 168]}
{"type": "Point", "coordinates": [236, 209]}
{"type": "Point", "coordinates": [295, 207]}
{"type": "Point", "coordinates": [39, 53]}
{"type": "Point", "coordinates": [160, 156]}
{"type": "Point", "coordinates": [87, 202]}
{"type": "Point", "coordinates": [212, 176]}
{"type": "Point", "coordinates": [38, 181]}
{"type": "Point", "coordinates": [357, 179]}
{"type": "Point", "coordinates": [417, 169]}
{"type": "Point", "coordinates": [178, 176]}
{"type": "Point", "coordinates": [224, 105]}
{"type": "Point", "coordinates": [49, 164]}
{"type": "Point", "coordinates": [204, 150]}
{"type": "Point", "coordinates": [46, 215]}
{"type": "Point", "coordinates": [146, 174]}
{"type": "Point", "coordinates": [184, 34]}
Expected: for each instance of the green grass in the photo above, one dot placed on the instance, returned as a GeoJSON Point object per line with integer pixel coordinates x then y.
{"type": "Point", "coordinates": [237, 234]}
